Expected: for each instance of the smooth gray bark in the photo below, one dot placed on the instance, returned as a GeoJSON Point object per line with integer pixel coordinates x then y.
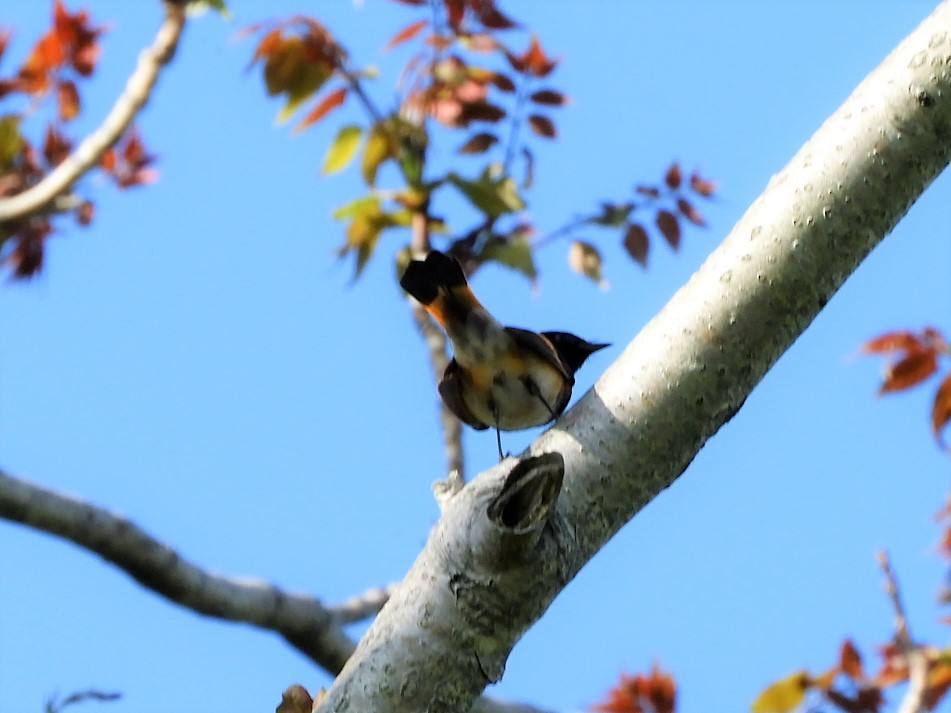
{"type": "Point", "coordinates": [449, 627]}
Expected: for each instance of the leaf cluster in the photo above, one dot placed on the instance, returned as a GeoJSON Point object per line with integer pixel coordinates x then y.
{"type": "Point", "coordinates": [52, 72]}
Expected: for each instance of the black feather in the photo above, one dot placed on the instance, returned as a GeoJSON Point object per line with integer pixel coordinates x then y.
{"type": "Point", "coordinates": [424, 278]}
{"type": "Point", "coordinates": [572, 350]}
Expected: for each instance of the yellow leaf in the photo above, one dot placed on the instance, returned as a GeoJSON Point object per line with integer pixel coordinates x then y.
{"type": "Point", "coordinates": [783, 696]}
{"type": "Point", "coordinates": [342, 150]}
{"type": "Point", "coordinates": [377, 151]}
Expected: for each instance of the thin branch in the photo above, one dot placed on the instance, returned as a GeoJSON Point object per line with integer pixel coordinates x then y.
{"type": "Point", "coordinates": [88, 154]}
{"type": "Point", "coordinates": [438, 344]}
{"type": "Point", "coordinates": [363, 606]}
{"type": "Point", "coordinates": [915, 698]}
{"type": "Point", "coordinates": [302, 620]}
{"type": "Point", "coordinates": [309, 626]}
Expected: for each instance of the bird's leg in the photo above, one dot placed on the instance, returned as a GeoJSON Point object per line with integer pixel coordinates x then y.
{"type": "Point", "coordinates": [533, 389]}
{"type": "Point", "coordinates": [498, 433]}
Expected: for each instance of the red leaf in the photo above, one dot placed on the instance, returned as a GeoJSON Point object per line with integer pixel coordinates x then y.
{"type": "Point", "coordinates": [912, 369]}
{"type": "Point", "coordinates": [941, 410]}
{"type": "Point", "coordinates": [455, 10]}
{"type": "Point", "coordinates": [406, 34]}
{"type": "Point", "coordinates": [56, 147]}
{"type": "Point", "coordinates": [549, 97]}
{"type": "Point", "coordinates": [481, 111]}
{"type": "Point", "coordinates": [689, 212]}
{"type": "Point", "coordinates": [893, 341]}
{"type": "Point", "coordinates": [416, 3]}
{"type": "Point", "coordinates": [702, 186]}
{"type": "Point", "coordinates": [669, 227]}
{"type": "Point", "coordinates": [5, 36]}
{"type": "Point", "coordinates": [850, 661]}
{"type": "Point", "coordinates": [68, 98]}
{"type": "Point", "coordinates": [85, 213]}
{"type": "Point", "coordinates": [327, 105]}
{"type": "Point", "coordinates": [542, 125]}
{"type": "Point", "coordinates": [533, 62]}
{"type": "Point", "coordinates": [637, 243]}
{"type": "Point", "coordinates": [633, 694]}
{"type": "Point", "coordinates": [480, 143]}
{"type": "Point", "coordinates": [502, 82]}
{"type": "Point", "coordinates": [648, 191]}
{"type": "Point", "coordinates": [491, 17]}
{"type": "Point", "coordinates": [673, 177]}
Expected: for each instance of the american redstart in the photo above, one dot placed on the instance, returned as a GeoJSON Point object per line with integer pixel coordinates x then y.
{"type": "Point", "coordinates": [503, 377]}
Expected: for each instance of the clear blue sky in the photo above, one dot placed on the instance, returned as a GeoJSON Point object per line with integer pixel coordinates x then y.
{"type": "Point", "coordinates": [198, 362]}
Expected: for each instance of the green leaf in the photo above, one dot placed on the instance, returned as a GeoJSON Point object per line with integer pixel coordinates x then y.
{"type": "Point", "coordinates": [494, 197]}
{"type": "Point", "coordinates": [297, 77]}
{"type": "Point", "coordinates": [513, 252]}
{"type": "Point", "coordinates": [11, 141]}
{"type": "Point", "coordinates": [342, 150]}
{"type": "Point", "coordinates": [613, 215]}
{"type": "Point", "coordinates": [200, 7]}
{"type": "Point", "coordinates": [356, 208]}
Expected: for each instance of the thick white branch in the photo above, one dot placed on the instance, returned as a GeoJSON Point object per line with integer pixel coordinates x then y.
{"type": "Point", "coordinates": [448, 628]}
{"type": "Point", "coordinates": [40, 197]}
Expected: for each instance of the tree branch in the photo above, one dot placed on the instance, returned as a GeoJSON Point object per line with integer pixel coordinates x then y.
{"type": "Point", "coordinates": [303, 621]}
{"type": "Point", "coordinates": [438, 345]}
{"type": "Point", "coordinates": [362, 606]}
{"type": "Point", "coordinates": [915, 698]}
{"type": "Point", "coordinates": [449, 627]}
{"type": "Point", "coordinates": [39, 197]}
{"type": "Point", "coordinates": [300, 619]}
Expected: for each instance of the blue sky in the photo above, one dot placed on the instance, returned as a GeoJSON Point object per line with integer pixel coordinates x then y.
{"type": "Point", "coordinates": [198, 361]}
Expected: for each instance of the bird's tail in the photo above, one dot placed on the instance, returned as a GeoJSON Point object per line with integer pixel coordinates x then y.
{"type": "Point", "coordinates": [439, 284]}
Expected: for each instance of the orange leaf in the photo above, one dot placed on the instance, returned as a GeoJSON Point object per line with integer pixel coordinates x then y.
{"type": "Point", "coordinates": [327, 105]}
{"type": "Point", "coordinates": [689, 212]}
{"type": "Point", "coordinates": [702, 186]}
{"type": "Point", "coordinates": [892, 341]}
{"type": "Point", "coordinates": [480, 143]}
{"type": "Point", "coordinates": [912, 369]}
{"type": "Point", "coordinates": [549, 97]}
{"type": "Point", "coordinates": [406, 34]}
{"type": "Point", "coordinates": [673, 177]}
{"type": "Point", "coordinates": [636, 243]}
{"type": "Point", "coordinates": [68, 98]}
{"type": "Point", "coordinates": [669, 227]}
{"type": "Point", "coordinates": [108, 161]}
{"type": "Point", "coordinates": [542, 125]}
{"type": "Point", "coordinates": [850, 661]}
{"type": "Point", "coordinates": [268, 45]}
{"type": "Point", "coordinates": [941, 411]}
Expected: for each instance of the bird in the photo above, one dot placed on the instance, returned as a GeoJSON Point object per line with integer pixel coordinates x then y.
{"type": "Point", "coordinates": [499, 377]}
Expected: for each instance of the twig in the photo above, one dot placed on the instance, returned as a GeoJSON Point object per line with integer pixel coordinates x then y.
{"type": "Point", "coordinates": [301, 619]}
{"type": "Point", "coordinates": [90, 151]}
{"type": "Point", "coordinates": [916, 657]}
{"type": "Point", "coordinates": [363, 606]}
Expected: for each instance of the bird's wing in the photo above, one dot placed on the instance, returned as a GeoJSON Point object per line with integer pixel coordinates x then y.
{"type": "Point", "coordinates": [542, 348]}
{"type": "Point", "coordinates": [450, 388]}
